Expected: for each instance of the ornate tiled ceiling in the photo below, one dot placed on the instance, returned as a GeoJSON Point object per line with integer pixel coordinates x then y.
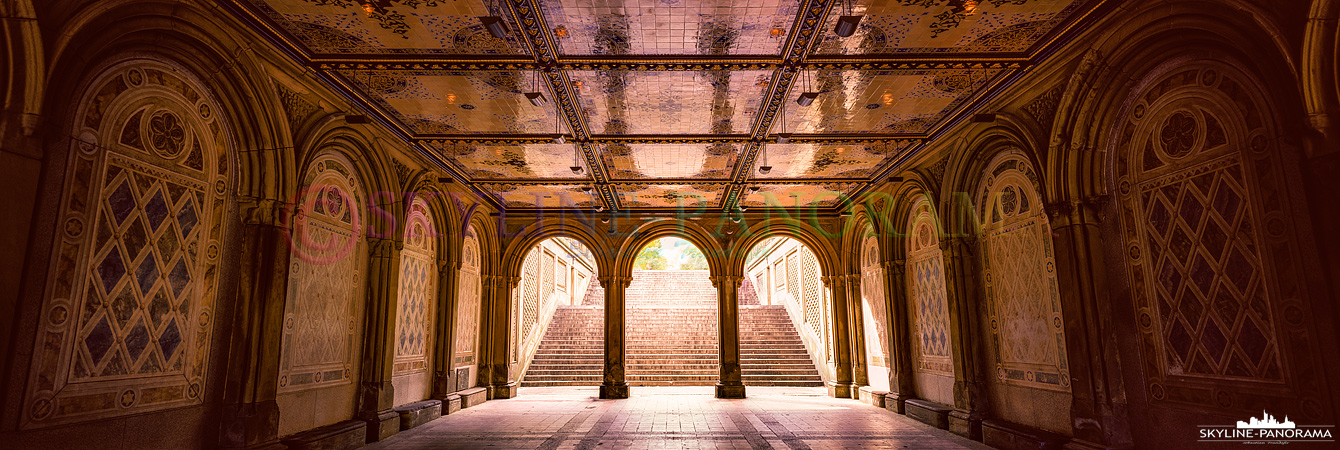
{"type": "Point", "coordinates": [668, 104]}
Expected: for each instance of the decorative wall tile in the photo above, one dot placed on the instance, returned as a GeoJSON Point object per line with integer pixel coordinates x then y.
{"type": "Point", "coordinates": [670, 102]}
{"type": "Point", "coordinates": [322, 312]}
{"type": "Point", "coordinates": [873, 302]}
{"type": "Point", "coordinates": [417, 292]}
{"type": "Point", "coordinates": [125, 326]}
{"type": "Point", "coordinates": [883, 101]}
{"type": "Point", "coordinates": [939, 26]}
{"type": "Point", "coordinates": [458, 102]}
{"type": "Point", "coordinates": [689, 27]}
{"type": "Point", "coordinates": [797, 195]}
{"type": "Point", "coordinates": [846, 160]}
{"type": "Point", "coordinates": [467, 304]}
{"type": "Point", "coordinates": [928, 306]}
{"type": "Point", "coordinates": [1023, 301]}
{"type": "Point", "coordinates": [688, 196]}
{"type": "Point", "coordinates": [637, 161]}
{"type": "Point", "coordinates": [1212, 255]}
{"type": "Point", "coordinates": [389, 27]}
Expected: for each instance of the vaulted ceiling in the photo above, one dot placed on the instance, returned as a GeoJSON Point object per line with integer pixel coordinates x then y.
{"type": "Point", "coordinates": [668, 103]}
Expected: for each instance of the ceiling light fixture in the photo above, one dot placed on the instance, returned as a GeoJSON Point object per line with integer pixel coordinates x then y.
{"type": "Point", "coordinates": [535, 96]}
{"type": "Point", "coordinates": [600, 208]}
{"type": "Point", "coordinates": [586, 189]}
{"type": "Point", "coordinates": [807, 98]}
{"type": "Point", "coordinates": [763, 166]}
{"type": "Point", "coordinates": [846, 25]}
{"type": "Point", "coordinates": [495, 25]}
{"type": "Point", "coordinates": [783, 138]}
{"type": "Point", "coordinates": [755, 188]}
{"type": "Point", "coordinates": [735, 219]}
{"type": "Point", "coordinates": [742, 208]}
{"type": "Point", "coordinates": [558, 139]}
{"type": "Point", "coordinates": [576, 161]}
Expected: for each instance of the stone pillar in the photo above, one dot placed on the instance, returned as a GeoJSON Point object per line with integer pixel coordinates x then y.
{"type": "Point", "coordinates": [841, 385]}
{"type": "Point", "coordinates": [249, 416]}
{"type": "Point", "coordinates": [856, 325]}
{"type": "Point", "coordinates": [444, 337]}
{"type": "Point", "coordinates": [499, 375]}
{"type": "Point", "coordinates": [900, 344]}
{"type": "Point", "coordinates": [614, 385]}
{"type": "Point", "coordinates": [376, 394]}
{"type": "Point", "coordinates": [964, 301]}
{"type": "Point", "coordinates": [1098, 411]}
{"type": "Point", "coordinates": [731, 384]}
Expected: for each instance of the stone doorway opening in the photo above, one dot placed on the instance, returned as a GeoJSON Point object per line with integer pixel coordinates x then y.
{"type": "Point", "coordinates": [558, 325]}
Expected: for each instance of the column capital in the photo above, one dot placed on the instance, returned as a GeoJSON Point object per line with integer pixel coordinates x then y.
{"type": "Point", "coordinates": [264, 211]}
{"type": "Point", "coordinates": [610, 281]}
{"type": "Point", "coordinates": [895, 265]}
{"type": "Point", "coordinates": [718, 281]}
{"type": "Point", "coordinates": [384, 247]}
{"type": "Point", "coordinates": [832, 281]}
{"type": "Point", "coordinates": [1082, 211]}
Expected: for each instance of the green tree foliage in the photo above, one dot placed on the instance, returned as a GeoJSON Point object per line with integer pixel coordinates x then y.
{"type": "Point", "coordinates": [692, 259]}
{"type": "Point", "coordinates": [651, 258]}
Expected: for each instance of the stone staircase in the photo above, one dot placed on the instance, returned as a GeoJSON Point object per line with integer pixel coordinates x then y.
{"type": "Point", "coordinates": [672, 338]}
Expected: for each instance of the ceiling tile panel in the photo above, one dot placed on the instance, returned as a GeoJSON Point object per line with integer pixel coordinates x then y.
{"type": "Point", "coordinates": [451, 102]}
{"type": "Point", "coordinates": [388, 27]}
{"type": "Point", "coordinates": [841, 160]}
{"type": "Point", "coordinates": [540, 196]}
{"type": "Point", "coordinates": [523, 161]}
{"type": "Point", "coordinates": [887, 101]}
{"type": "Point", "coordinates": [659, 27]}
{"type": "Point", "coordinates": [797, 195]}
{"type": "Point", "coordinates": [687, 196]}
{"type": "Point", "coordinates": [636, 161]}
{"type": "Point", "coordinates": [947, 26]}
{"type": "Point", "coordinates": [670, 102]}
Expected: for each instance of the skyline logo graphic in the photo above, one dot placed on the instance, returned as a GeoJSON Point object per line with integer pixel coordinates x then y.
{"type": "Point", "coordinates": [1267, 429]}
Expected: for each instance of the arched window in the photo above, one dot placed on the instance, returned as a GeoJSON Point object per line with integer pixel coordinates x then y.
{"type": "Point", "coordinates": [416, 305]}
{"type": "Point", "coordinates": [928, 308]}
{"type": "Point", "coordinates": [127, 317]}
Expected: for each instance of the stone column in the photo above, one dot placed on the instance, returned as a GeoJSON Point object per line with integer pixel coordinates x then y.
{"type": "Point", "coordinates": [900, 344]}
{"type": "Point", "coordinates": [856, 325]}
{"type": "Point", "coordinates": [249, 416]}
{"type": "Point", "coordinates": [499, 376]}
{"type": "Point", "coordinates": [614, 385]}
{"type": "Point", "coordinates": [731, 384]}
{"type": "Point", "coordinates": [1098, 406]}
{"type": "Point", "coordinates": [841, 385]}
{"type": "Point", "coordinates": [376, 394]}
{"type": "Point", "coordinates": [444, 334]}
{"type": "Point", "coordinates": [964, 301]}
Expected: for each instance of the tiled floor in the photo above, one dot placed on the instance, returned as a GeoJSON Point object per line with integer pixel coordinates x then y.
{"type": "Point", "coordinates": [674, 418]}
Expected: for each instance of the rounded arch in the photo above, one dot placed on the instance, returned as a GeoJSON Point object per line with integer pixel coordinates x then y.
{"type": "Point", "coordinates": [829, 262]}
{"type": "Point", "coordinates": [969, 172]}
{"type": "Point", "coordinates": [25, 64]}
{"type": "Point", "coordinates": [912, 192]}
{"type": "Point", "coordinates": [1148, 38]}
{"type": "Point", "coordinates": [656, 229]}
{"type": "Point", "coordinates": [1320, 85]}
{"type": "Point", "coordinates": [515, 254]}
{"type": "Point", "coordinates": [201, 44]}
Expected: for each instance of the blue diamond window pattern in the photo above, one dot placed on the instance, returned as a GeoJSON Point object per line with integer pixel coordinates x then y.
{"type": "Point", "coordinates": [111, 269]}
{"type": "Point", "coordinates": [169, 340]}
{"type": "Point", "coordinates": [137, 340]}
{"type": "Point", "coordinates": [122, 202]}
{"type": "Point", "coordinates": [146, 274]}
{"type": "Point", "coordinates": [156, 210]}
{"type": "Point", "coordinates": [179, 278]}
{"type": "Point", "coordinates": [99, 340]}
{"type": "Point", "coordinates": [186, 217]}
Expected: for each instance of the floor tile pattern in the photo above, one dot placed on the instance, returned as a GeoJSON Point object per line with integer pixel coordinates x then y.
{"type": "Point", "coordinates": [675, 418]}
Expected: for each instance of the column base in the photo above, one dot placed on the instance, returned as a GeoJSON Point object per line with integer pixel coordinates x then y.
{"type": "Point", "coordinates": [500, 391]}
{"type": "Point", "coordinates": [250, 425]}
{"type": "Point", "coordinates": [966, 424]}
{"type": "Point", "coordinates": [897, 402]}
{"type": "Point", "coordinates": [614, 391]}
{"type": "Point", "coordinates": [839, 390]}
{"type": "Point", "coordinates": [1080, 444]}
{"type": "Point", "coordinates": [730, 390]}
{"type": "Point", "coordinates": [381, 424]}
